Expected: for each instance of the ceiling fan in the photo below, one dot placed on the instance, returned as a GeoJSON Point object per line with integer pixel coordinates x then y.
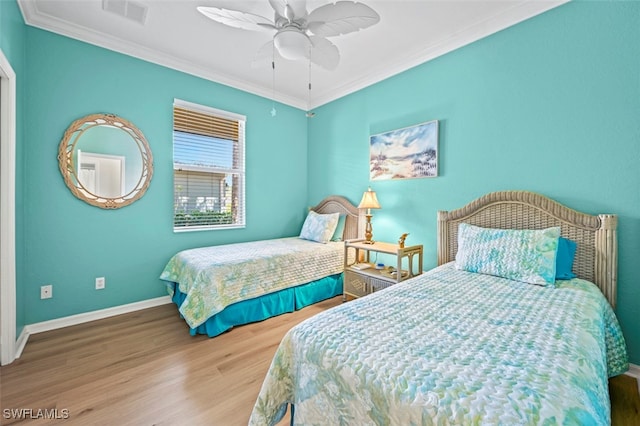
{"type": "Point", "coordinates": [299, 34]}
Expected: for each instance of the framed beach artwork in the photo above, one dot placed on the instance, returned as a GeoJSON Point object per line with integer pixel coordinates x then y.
{"type": "Point", "coordinates": [408, 153]}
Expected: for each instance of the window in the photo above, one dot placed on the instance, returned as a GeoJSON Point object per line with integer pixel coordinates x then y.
{"type": "Point", "coordinates": [208, 167]}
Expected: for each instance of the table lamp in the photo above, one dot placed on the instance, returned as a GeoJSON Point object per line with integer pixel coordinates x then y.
{"type": "Point", "coordinates": [369, 201]}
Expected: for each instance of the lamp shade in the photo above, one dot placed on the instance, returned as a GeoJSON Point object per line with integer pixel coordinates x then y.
{"type": "Point", "coordinates": [292, 44]}
{"type": "Point", "coordinates": [369, 200]}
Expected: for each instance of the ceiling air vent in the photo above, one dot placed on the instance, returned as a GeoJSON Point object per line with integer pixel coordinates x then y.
{"type": "Point", "coordinates": [127, 9]}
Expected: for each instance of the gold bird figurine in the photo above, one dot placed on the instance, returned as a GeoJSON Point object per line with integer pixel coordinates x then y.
{"type": "Point", "coordinates": [401, 240]}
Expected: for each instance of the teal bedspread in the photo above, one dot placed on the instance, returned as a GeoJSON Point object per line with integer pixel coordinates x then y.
{"type": "Point", "coordinates": [451, 347]}
{"type": "Point", "coordinates": [212, 278]}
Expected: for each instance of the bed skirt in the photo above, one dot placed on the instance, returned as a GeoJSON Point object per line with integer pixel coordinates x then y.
{"type": "Point", "coordinates": [263, 307]}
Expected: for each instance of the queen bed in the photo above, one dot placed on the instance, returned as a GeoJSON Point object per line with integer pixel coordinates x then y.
{"type": "Point", "coordinates": [481, 339]}
{"type": "Point", "coordinates": [219, 287]}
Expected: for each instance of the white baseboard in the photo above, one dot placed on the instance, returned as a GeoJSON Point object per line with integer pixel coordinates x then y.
{"type": "Point", "coordinates": [39, 327]}
{"type": "Point", "coordinates": [634, 371]}
{"type": "Point", "coordinates": [21, 342]}
{"type": "Point", "coordinates": [55, 324]}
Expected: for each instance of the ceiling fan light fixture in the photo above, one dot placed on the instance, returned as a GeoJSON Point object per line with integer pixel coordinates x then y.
{"type": "Point", "coordinates": [292, 44]}
{"type": "Point", "coordinates": [299, 34]}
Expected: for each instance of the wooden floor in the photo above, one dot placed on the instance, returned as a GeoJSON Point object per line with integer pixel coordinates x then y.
{"type": "Point", "coordinates": [144, 368]}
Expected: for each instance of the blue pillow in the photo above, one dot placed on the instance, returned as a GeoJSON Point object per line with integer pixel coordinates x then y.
{"type": "Point", "coordinates": [338, 233]}
{"type": "Point", "coordinates": [564, 259]}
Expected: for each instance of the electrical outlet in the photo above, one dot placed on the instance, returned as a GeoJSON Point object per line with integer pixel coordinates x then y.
{"type": "Point", "coordinates": [100, 283]}
{"type": "Point", "coordinates": [46, 291]}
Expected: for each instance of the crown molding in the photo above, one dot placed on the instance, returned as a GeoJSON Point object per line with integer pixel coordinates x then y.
{"type": "Point", "coordinates": [514, 15]}
{"type": "Point", "coordinates": [34, 18]}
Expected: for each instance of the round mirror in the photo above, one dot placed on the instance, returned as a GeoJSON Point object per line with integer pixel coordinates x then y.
{"type": "Point", "coordinates": [105, 161]}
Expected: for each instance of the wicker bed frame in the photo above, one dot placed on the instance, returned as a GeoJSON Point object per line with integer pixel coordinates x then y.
{"type": "Point", "coordinates": [354, 221]}
{"type": "Point", "coordinates": [597, 251]}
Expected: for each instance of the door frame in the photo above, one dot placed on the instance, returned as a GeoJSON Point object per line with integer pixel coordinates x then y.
{"type": "Point", "coordinates": [96, 160]}
{"type": "Point", "coordinates": [7, 211]}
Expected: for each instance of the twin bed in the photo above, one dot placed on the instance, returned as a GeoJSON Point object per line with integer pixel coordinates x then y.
{"type": "Point", "coordinates": [487, 337]}
{"type": "Point", "coordinates": [219, 287]}
{"type": "Point", "coordinates": [493, 335]}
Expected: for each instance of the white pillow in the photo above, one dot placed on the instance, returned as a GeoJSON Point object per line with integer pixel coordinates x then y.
{"type": "Point", "coordinates": [319, 227]}
{"type": "Point", "coordinates": [521, 255]}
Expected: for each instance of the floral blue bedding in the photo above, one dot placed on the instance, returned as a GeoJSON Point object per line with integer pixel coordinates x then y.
{"type": "Point", "coordinates": [451, 347]}
{"type": "Point", "coordinates": [213, 278]}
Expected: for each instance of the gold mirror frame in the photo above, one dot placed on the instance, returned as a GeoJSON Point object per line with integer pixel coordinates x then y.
{"type": "Point", "coordinates": [68, 167]}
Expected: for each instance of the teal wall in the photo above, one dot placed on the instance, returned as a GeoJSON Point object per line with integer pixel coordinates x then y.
{"type": "Point", "coordinates": [69, 243]}
{"type": "Point", "coordinates": [12, 33]}
{"type": "Point", "coordinates": [12, 43]}
{"type": "Point", "coordinates": [550, 105]}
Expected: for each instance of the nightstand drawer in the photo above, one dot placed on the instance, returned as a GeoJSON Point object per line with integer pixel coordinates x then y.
{"type": "Point", "coordinates": [355, 284]}
{"type": "Point", "coordinates": [377, 285]}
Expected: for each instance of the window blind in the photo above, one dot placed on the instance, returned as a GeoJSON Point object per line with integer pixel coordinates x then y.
{"type": "Point", "coordinates": [208, 163]}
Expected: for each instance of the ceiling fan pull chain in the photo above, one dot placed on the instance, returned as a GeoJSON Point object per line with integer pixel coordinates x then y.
{"type": "Point", "coordinates": [295, 28]}
{"type": "Point", "coordinates": [296, 31]}
{"type": "Point", "coordinates": [273, 83]}
{"type": "Point", "coordinates": [310, 113]}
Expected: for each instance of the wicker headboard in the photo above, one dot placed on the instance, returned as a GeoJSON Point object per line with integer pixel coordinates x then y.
{"type": "Point", "coordinates": [597, 251]}
{"type": "Point", "coordinates": [355, 220]}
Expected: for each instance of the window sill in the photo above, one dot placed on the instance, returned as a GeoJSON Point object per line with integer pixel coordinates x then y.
{"type": "Point", "coordinates": [182, 229]}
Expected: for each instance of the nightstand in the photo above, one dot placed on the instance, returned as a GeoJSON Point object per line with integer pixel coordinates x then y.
{"type": "Point", "coordinates": [362, 277]}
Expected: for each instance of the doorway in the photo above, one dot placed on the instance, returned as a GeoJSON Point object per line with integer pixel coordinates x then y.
{"type": "Point", "coordinates": [102, 174]}
{"type": "Point", "coordinates": [7, 211]}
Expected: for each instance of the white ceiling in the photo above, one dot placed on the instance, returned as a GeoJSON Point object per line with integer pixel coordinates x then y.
{"type": "Point", "coordinates": [176, 35]}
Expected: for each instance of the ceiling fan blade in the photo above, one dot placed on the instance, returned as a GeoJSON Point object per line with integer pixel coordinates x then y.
{"type": "Point", "coordinates": [299, 8]}
{"type": "Point", "coordinates": [342, 17]}
{"type": "Point", "coordinates": [290, 9]}
{"type": "Point", "coordinates": [324, 53]}
{"type": "Point", "coordinates": [265, 56]}
{"type": "Point", "coordinates": [237, 19]}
